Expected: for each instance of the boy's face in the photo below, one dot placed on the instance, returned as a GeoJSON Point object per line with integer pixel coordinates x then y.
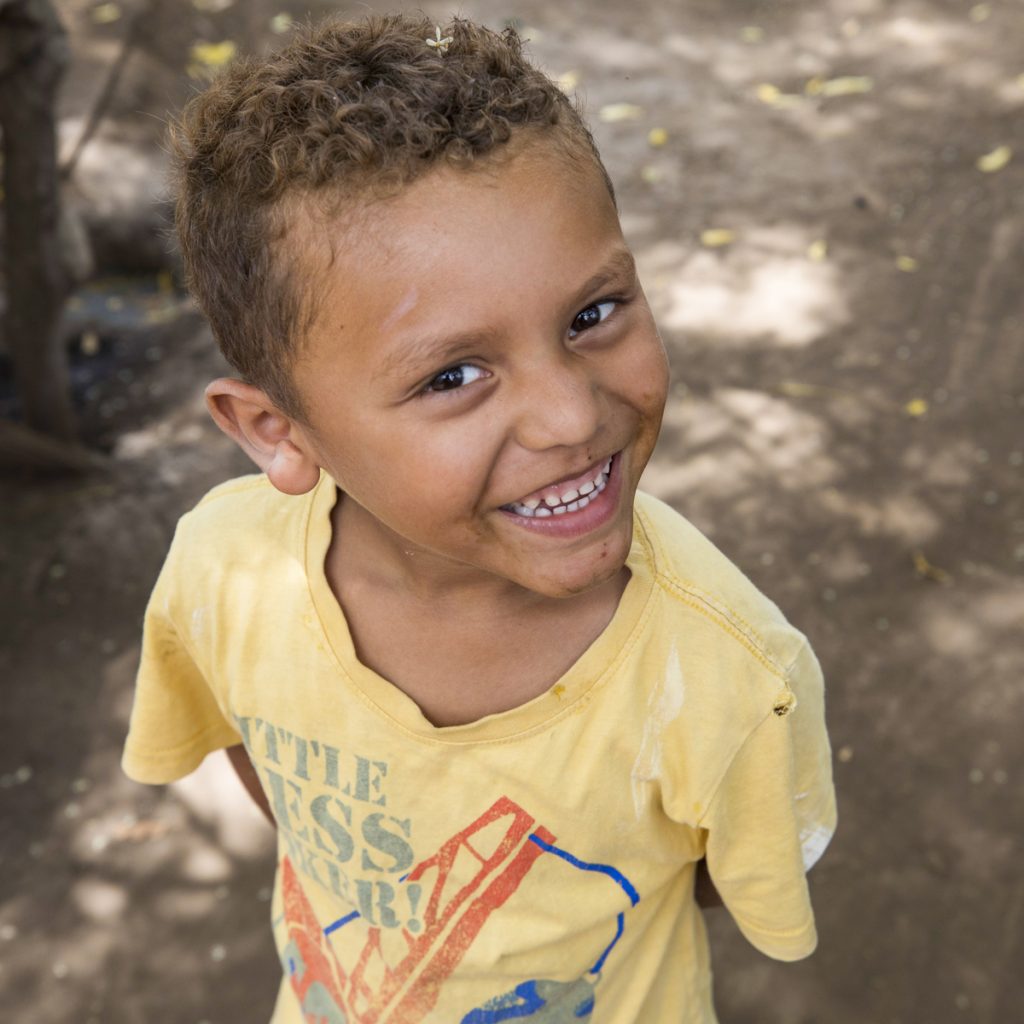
{"type": "Point", "coordinates": [483, 349]}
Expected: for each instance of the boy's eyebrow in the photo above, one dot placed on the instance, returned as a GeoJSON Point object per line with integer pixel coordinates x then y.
{"type": "Point", "coordinates": [430, 349]}
{"type": "Point", "coordinates": [620, 264]}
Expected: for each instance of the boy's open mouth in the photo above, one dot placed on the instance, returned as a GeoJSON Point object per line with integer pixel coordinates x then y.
{"type": "Point", "coordinates": [570, 496]}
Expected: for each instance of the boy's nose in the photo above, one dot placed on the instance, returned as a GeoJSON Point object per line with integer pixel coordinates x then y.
{"type": "Point", "coordinates": [560, 405]}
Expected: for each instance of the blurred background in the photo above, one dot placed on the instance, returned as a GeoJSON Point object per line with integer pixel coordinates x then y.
{"type": "Point", "coordinates": [827, 203]}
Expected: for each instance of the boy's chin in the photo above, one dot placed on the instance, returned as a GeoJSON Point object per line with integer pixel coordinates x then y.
{"type": "Point", "coordinates": [566, 593]}
{"type": "Point", "coordinates": [575, 583]}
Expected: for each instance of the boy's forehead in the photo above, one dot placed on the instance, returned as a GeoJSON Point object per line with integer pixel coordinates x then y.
{"type": "Point", "coordinates": [331, 223]}
{"type": "Point", "coordinates": [453, 239]}
{"type": "Point", "coordinates": [405, 304]}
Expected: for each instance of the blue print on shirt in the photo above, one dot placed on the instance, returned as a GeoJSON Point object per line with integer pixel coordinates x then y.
{"type": "Point", "coordinates": [543, 1001]}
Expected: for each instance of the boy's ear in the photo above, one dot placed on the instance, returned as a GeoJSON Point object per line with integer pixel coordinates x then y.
{"type": "Point", "coordinates": [274, 442]}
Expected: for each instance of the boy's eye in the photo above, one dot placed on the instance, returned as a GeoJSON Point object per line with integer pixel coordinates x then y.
{"type": "Point", "coordinates": [456, 377]}
{"type": "Point", "coordinates": [591, 317]}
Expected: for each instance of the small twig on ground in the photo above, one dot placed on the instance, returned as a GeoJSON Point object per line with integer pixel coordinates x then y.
{"type": "Point", "coordinates": [22, 449]}
{"type": "Point", "coordinates": [106, 94]}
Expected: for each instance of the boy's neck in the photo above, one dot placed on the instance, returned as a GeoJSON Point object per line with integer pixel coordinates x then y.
{"type": "Point", "coordinates": [512, 644]}
{"type": "Point", "coordinates": [363, 553]}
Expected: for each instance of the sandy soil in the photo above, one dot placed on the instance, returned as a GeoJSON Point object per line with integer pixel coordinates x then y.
{"type": "Point", "coordinates": [847, 423]}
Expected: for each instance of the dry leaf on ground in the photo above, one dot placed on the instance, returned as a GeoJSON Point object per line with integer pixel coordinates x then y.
{"type": "Point", "coordinates": [773, 96]}
{"type": "Point", "coordinates": [104, 14]}
{"type": "Point", "coordinates": [715, 238]}
{"type": "Point", "coordinates": [615, 112]}
{"type": "Point", "coordinates": [996, 160]}
{"type": "Point", "coordinates": [214, 55]}
{"type": "Point", "coordinates": [927, 571]}
{"type": "Point", "coordinates": [850, 85]}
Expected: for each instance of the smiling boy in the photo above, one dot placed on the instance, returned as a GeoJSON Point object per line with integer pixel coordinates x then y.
{"type": "Point", "coordinates": [498, 704]}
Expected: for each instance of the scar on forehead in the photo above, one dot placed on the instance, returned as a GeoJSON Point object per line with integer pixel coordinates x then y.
{"type": "Point", "coordinates": [408, 301]}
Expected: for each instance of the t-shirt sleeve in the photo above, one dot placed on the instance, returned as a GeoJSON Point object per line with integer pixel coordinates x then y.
{"type": "Point", "coordinates": [175, 720]}
{"type": "Point", "coordinates": [771, 818]}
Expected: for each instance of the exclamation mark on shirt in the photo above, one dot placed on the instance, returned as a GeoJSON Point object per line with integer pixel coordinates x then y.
{"type": "Point", "coordinates": [414, 891]}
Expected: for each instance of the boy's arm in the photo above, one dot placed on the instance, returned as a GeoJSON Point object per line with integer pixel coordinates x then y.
{"type": "Point", "coordinates": [772, 816]}
{"type": "Point", "coordinates": [243, 768]}
{"type": "Point", "coordinates": [704, 890]}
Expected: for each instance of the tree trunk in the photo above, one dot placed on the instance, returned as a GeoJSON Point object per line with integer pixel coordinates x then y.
{"type": "Point", "coordinates": [33, 56]}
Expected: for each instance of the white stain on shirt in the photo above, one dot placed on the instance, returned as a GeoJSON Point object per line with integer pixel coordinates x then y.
{"type": "Point", "coordinates": [663, 707]}
{"type": "Point", "coordinates": [813, 841]}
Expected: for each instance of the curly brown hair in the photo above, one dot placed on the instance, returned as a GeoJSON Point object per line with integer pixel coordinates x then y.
{"type": "Point", "coordinates": [346, 110]}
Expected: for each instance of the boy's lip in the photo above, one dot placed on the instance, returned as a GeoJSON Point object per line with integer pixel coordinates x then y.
{"type": "Point", "coordinates": [600, 508]}
{"type": "Point", "coordinates": [566, 489]}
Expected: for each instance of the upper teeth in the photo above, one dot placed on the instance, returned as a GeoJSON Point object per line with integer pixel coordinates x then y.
{"type": "Point", "coordinates": [570, 500]}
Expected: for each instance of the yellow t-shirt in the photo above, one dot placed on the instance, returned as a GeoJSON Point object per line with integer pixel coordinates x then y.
{"type": "Point", "coordinates": [537, 864]}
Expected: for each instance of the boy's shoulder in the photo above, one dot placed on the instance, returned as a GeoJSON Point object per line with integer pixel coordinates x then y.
{"type": "Point", "coordinates": [246, 518]}
{"type": "Point", "coordinates": [236, 494]}
{"type": "Point", "coordinates": [696, 576]}
{"type": "Point", "coordinates": [246, 501]}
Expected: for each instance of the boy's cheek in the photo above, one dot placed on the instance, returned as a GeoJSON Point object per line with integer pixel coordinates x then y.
{"type": "Point", "coordinates": [654, 378]}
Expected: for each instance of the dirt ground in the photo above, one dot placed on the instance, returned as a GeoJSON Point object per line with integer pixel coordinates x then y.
{"type": "Point", "coordinates": [832, 239]}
